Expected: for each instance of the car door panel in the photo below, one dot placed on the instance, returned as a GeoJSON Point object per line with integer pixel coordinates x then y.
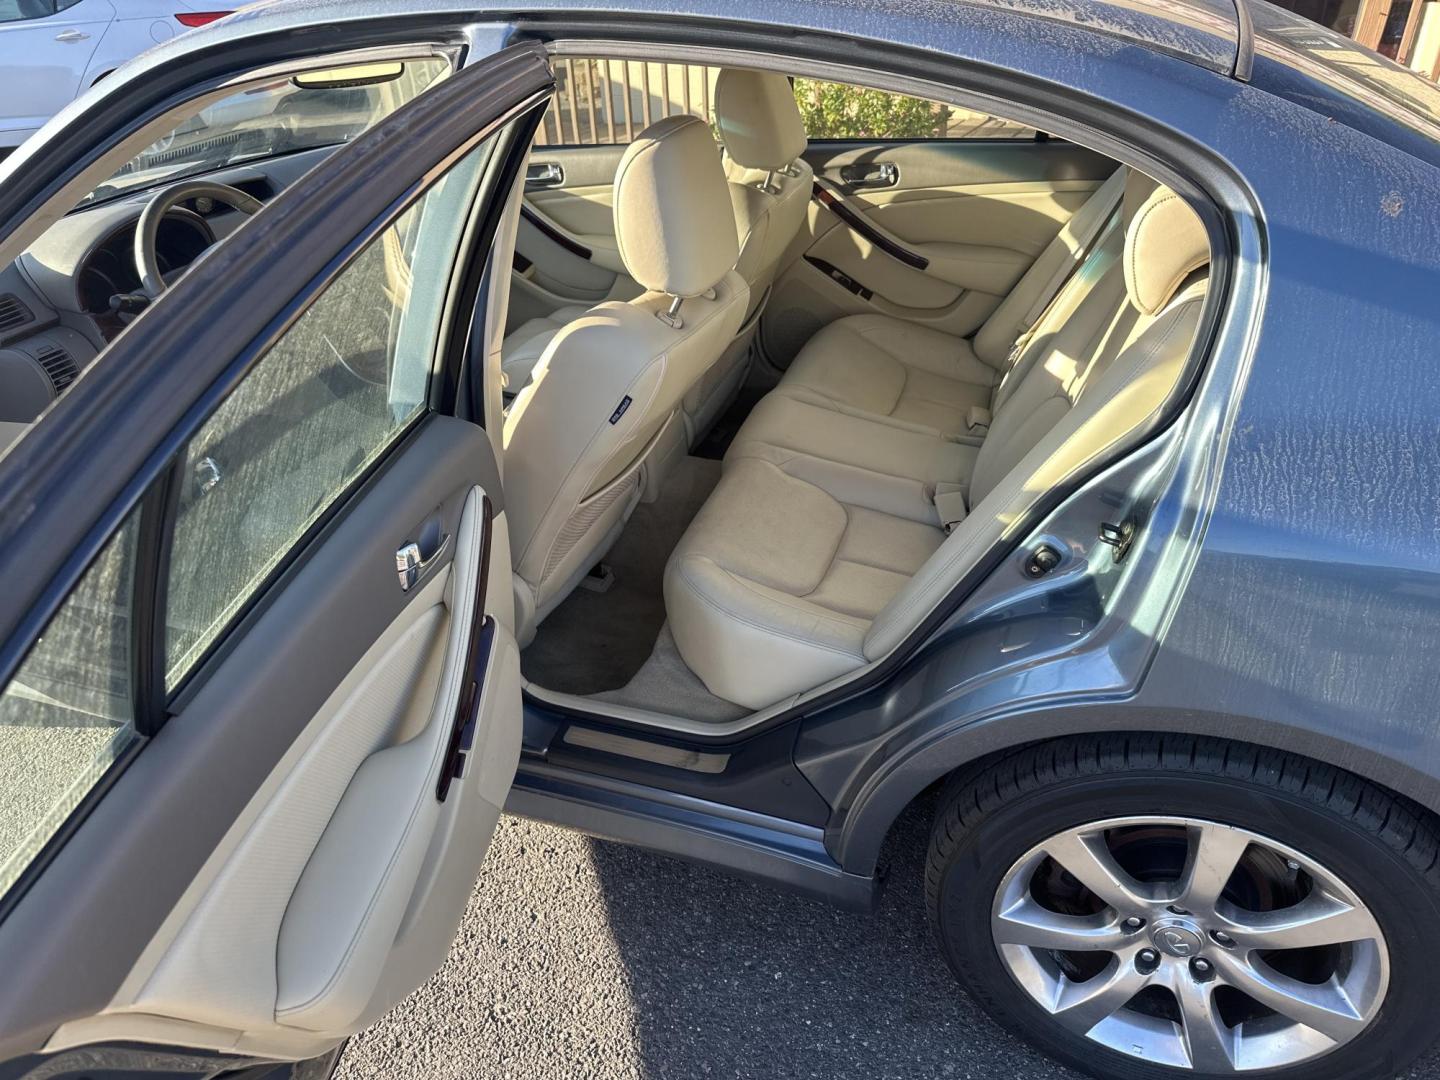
{"type": "Point", "coordinates": [566, 244]}
{"type": "Point", "coordinates": [278, 863]}
{"type": "Point", "coordinates": [582, 200]}
{"type": "Point", "coordinates": [234, 803]}
{"type": "Point", "coordinates": [322, 876]}
{"type": "Point", "coordinates": [49, 57]}
{"type": "Point", "coordinates": [932, 231]}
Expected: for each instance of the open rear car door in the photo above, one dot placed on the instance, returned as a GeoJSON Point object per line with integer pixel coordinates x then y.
{"type": "Point", "coordinates": [259, 691]}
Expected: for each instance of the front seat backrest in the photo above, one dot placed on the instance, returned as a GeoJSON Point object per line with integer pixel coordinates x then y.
{"type": "Point", "coordinates": [770, 184]}
{"type": "Point", "coordinates": [610, 382]}
{"type": "Point", "coordinates": [761, 129]}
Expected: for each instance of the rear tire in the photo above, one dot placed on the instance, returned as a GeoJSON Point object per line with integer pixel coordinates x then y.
{"type": "Point", "coordinates": [1298, 831]}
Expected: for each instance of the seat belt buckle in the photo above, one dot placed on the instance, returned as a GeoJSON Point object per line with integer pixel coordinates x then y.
{"type": "Point", "coordinates": [978, 418]}
{"type": "Point", "coordinates": [949, 502]}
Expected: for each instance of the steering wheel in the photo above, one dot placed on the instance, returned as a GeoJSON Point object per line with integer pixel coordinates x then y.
{"type": "Point", "coordinates": [147, 229]}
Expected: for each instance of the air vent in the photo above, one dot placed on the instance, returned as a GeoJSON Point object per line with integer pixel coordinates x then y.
{"type": "Point", "coordinates": [13, 312]}
{"type": "Point", "coordinates": [59, 365]}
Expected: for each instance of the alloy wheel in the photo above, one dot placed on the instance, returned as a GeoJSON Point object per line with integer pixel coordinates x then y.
{"type": "Point", "coordinates": [1190, 943]}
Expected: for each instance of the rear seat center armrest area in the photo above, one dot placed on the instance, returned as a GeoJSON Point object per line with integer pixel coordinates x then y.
{"type": "Point", "coordinates": [825, 542]}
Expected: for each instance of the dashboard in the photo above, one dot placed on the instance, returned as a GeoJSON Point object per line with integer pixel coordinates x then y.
{"type": "Point", "coordinates": [110, 269]}
{"type": "Point", "coordinates": [55, 299]}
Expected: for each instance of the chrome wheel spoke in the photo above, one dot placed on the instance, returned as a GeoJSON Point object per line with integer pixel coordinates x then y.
{"type": "Point", "coordinates": [1082, 1005]}
{"type": "Point", "coordinates": [1090, 862]}
{"type": "Point", "coordinates": [1215, 851]}
{"type": "Point", "coordinates": [1209, 1044]}
{"type": "Point", "coordinates": [1323, 1007]}
{"type": "Point", "coordinates": [1027, 923]}
{"type": "Point", "coordinates": [1319, 919]}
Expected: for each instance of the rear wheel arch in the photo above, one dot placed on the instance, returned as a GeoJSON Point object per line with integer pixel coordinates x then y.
{"type": "Point", "coordinates": [886, 793]}
{"type": "Point", "coordinates": [1321, 817]}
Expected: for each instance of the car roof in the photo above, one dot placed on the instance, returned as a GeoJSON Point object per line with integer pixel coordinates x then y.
{"type": "Point", "coordinates": [1329, 73]}
{"type": "Point", "coordinates": [1221, 35]}
{"type": "Point", "coordinates": [1204, 32]}
{"type": "Point", "coordinates": [1293, 58]}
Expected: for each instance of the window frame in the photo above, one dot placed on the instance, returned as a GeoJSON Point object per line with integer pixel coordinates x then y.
{"type": "Point", "coordinates": [440, 400]}
{"type": "Point", "coordinates": [230, 615]}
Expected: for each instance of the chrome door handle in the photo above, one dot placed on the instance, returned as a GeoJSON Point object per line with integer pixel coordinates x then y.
{"type": "Point", "coordinates": [548, 174]}
{"type": "Point", "coordinates": [878, 174]}
{"type": "Point", "coordinates": [411, 566]}
{"type": "Point", "coordinates": [71, 35]}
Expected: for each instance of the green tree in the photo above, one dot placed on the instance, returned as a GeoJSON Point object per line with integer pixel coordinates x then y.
{"type": "Point", "coordinates": [836, 111]}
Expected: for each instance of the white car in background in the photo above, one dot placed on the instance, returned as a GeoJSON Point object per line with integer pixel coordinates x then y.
{"type": "Point", "coordinates": [51, 50]}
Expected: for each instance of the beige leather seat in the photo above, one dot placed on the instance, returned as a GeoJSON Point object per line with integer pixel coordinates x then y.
{"type": "Point", "coordinates": [770, 184]}
{"type": "Point", "coordinates": [933, 380]}
{"type": "Point", "coordinates": [522, 348]}
{"type": "Point", "coordinates": [922, 435]}
{"type": "Point", "coordinates": [610, 382]}
{"type": "Point", "coordinates": [798, 570]}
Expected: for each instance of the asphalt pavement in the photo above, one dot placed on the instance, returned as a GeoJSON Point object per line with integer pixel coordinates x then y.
{"type": "Point", "coordinates": [585, 959]}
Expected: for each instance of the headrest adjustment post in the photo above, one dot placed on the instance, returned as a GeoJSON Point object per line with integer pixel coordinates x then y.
{"type": "Point", "coordinates": [768, 185]}
{"type": "Point", "coordinates": [671, 316]}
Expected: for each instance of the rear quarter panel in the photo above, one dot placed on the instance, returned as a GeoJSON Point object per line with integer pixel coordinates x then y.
{"type": "Point", "coordinates": [1309, 618]}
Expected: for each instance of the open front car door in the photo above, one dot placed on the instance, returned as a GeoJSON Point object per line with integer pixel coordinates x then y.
{"type": "Point", "coordinates": [259, 689]}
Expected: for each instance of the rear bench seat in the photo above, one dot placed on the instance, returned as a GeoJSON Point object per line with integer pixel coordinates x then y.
{"type": "Point", "coordinates": [931, 380]}
{"type": "Point", "coordinates": [836, 527]}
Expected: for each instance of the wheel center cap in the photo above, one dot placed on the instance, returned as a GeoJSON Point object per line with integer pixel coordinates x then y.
{"type": "Point", "coordinates": [1177, 937]}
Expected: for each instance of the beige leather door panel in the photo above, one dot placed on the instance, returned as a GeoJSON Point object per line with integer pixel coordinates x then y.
{"type": "Point", "coordinates": [340, 887]}
{"type": "Point", "coordinates": [565, 251]}
{"type": "Point", "coordinates": [935, 232]}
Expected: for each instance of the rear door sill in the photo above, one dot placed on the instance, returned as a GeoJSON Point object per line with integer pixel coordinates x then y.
{"type": "Point", "coordinates": [762, 848]}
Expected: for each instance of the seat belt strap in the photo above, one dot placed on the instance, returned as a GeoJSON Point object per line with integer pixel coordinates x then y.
{"type": "Point", "coordinates": [1087, 225]}
{"type": "Point", "coordinates": [1094, 257]}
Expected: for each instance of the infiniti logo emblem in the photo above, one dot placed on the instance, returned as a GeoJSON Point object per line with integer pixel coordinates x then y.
{"type": "Point", "coordinates": [1177, 937]}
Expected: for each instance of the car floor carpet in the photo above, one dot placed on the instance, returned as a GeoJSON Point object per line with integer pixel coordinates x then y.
{"type": "Point", "coordinates": [597, 641]}
{"type": "Point", "coordinates": [665, 684]}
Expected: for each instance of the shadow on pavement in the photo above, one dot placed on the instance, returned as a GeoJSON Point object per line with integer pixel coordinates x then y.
{"type": "Point", "coordinates": [731, 979]}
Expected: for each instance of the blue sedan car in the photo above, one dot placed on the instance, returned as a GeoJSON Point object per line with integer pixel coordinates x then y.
{"type": "Point", "coordinates": [714, 427]}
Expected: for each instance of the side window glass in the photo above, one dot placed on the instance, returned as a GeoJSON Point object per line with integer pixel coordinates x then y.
{"type": "Point", "coordinates": [67, 714]}
{"type": "Point", "coordinates": [20, 10]}
{"type": "Point", "coordinates": [600, 102]}
{"type": "Point", "coordinates": [841, 111]}
{"type": "Point", "coordinates": [327, 399]}
{"type": "Point", "coordinates": [308, 112]}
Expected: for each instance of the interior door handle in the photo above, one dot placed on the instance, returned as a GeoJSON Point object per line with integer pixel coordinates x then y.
{"type": "Point", "coordinates": [411, 564]}
{"type": "Point", "coordinates": [870, 175]}
{"type": "Point", "coordinates": [544, 175]}
{"type": "Point", "coordinates": [71, 35]}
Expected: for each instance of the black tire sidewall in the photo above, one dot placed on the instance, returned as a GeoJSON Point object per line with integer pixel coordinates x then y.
{"type": "Point", "coordinates": [1404, 904]}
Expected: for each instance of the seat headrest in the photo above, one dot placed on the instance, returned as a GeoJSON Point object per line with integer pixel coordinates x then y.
{"type": "Point", "coordinates": [1165, 242]}
{"type": "Point", "coordinates": [673, 219]}
{"type": "Point", "coordinates": [758, 119]}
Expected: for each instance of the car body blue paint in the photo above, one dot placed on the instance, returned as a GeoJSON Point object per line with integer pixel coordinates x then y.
{"type": "Point", "coordinates": [1284, 588]}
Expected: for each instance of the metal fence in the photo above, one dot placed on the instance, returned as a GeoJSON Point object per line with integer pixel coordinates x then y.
{"type": "Point", "coordinates": [606, 102]}
{"type": "Point", "coordinates": [601, 102]}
